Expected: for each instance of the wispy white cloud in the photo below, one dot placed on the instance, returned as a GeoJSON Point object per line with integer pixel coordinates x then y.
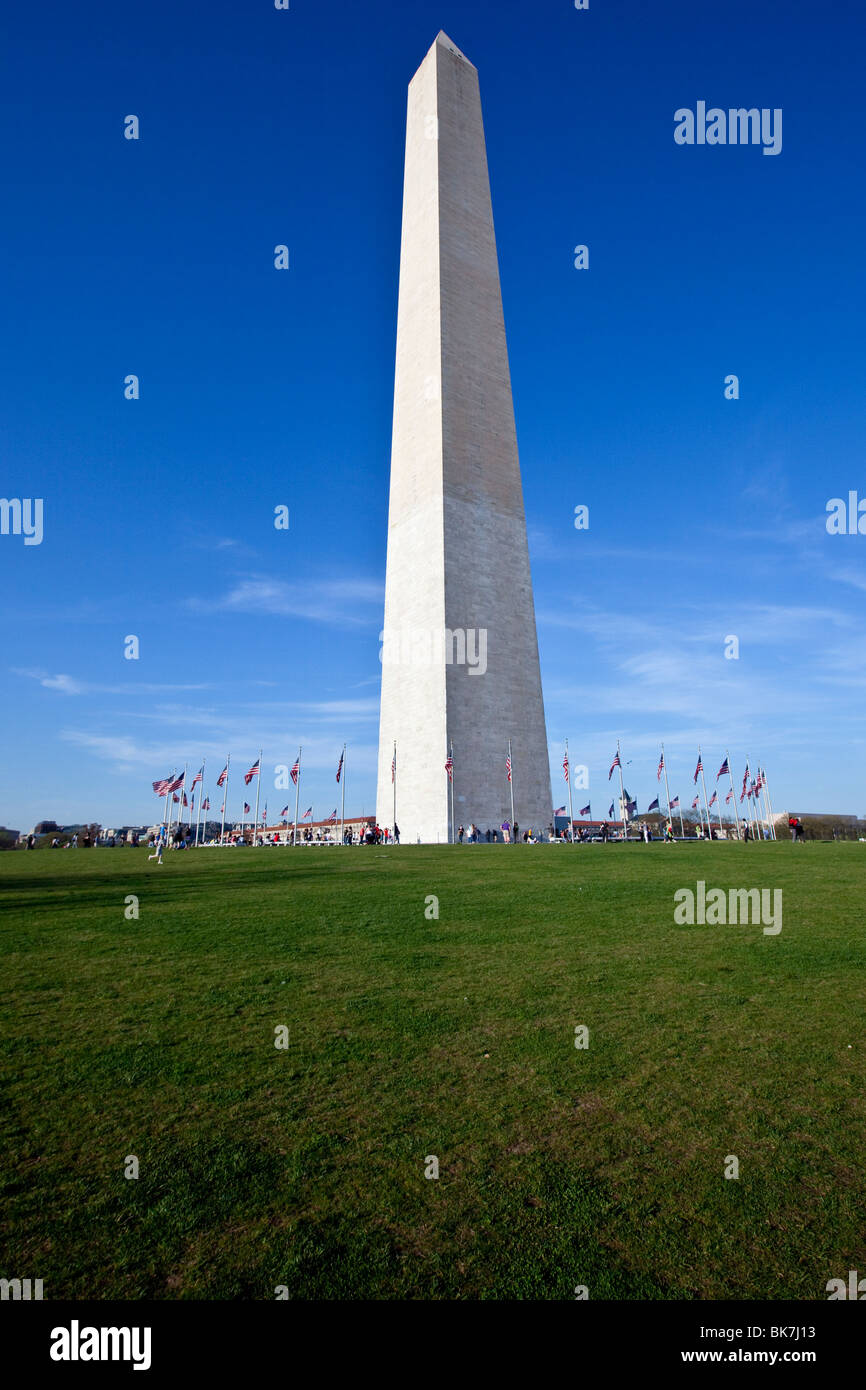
{"type": "Point", "coordinates": [64, 683]}
{"type": "Point", "coordinates": [171, 748]}
{"type": "Point", "coordinates": [71, 685]}
{"type": "Point", "coordinates": [674, 676]}
{"type": "Point", "coordinates": [332, 600]}
{"type": "Point", "coordinates": [856, 578]}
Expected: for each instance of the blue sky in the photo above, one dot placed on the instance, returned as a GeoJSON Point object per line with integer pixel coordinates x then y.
{"type": "Point", "coordinates": [260, 387]}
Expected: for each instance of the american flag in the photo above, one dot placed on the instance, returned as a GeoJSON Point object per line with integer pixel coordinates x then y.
{"type": "Point", "coordinates": [610, 809]}
{"type": "Point", "coordinates": [728, 797]}
{"type": "Point", "coordinates": [631, 807]}
{"type": "Point", "coordinates": [714, 798]}
{"type": "Point", "coordinates": [175, 798]}
{"type": "Point", "coordinates": [185, 802]}
{"type": "Point", "coordinates": [560, 811]}
{"type": "Point", "coordinates": [205, 805]}
{"type": "Point", "coordinates": [616, 763]}
{"type": "Point", "coordinates": [759, 783]}
{"type": "Point", "coordinates": [661, 768]}
{"type": "Point", "coordinates": [221, 780]}
{"type": "Point", "coordinates": [674, 804]}
{"type": "Point", "coordinates": [695, 803]}
{"type": "Point", "coordinates": [745, 778]}
{"type": "Point", "coordinates": [394, 766]}
{"type": "Point", "coordinates": [585, 811]}
{"type": "Point", "coordinates": [449, 767]}
{"type": "Point", "coordinates": [295, 771]}
{"type": "Point", "coordinates": [246, 809]}
{"type": "Point", "coordinates": [340, 768]}
{"type": "Point", "coordinates": [508, 767]}
{"type": "Point", "coordinates": [333, 815]}
{"type": "Point", "coordinates": [162, 786]}
{"type": "Point", "coordinates": [197, 778]}
{"type": "Point", "coordinates": [307, 813]}
{"type": "Point", "coordinates": [222, 809]}
{"type": "Point", "coordinates": [176, 784]}
{"type": "Point", "coordinates": [654, 805]}
{"type": "Point", "coordinates": [285, 811]}
{"type": "Point", "coordinates": [253, 772]}
{"type": "Point", "coordinates": [565, 767]}
{"type": "Point", "coordinates": [699, 769]}
{"type": "Point", "coordinates": [723, 771]}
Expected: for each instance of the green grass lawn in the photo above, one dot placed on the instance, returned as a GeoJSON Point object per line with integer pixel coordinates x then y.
{"type": "Point", "coordinates": [411, 1037]}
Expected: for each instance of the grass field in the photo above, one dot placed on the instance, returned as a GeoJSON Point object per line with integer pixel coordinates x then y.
{"type": "Point", "coordinates": [409, 1037]}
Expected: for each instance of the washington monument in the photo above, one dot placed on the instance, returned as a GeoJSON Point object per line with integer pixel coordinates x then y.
{"type": "Point", "coordinates": [459, 648]}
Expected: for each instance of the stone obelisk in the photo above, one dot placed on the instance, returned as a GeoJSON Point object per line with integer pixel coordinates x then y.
{"type": "Point", "coordinates": [459, 650]}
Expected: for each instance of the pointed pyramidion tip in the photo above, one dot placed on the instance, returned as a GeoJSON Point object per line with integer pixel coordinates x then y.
{"type": "Point", "coordinates": [442, 41]}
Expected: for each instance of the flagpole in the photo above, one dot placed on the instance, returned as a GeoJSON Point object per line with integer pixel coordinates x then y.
{"type": "Point", "coordinates": [570, 802]}
{"type": "Point", "coordinates": [754, 800]}
{"type": "Point", "coordinates": [706, 801]}
{"type": "Point", "coordinates": [451, 780]}
{"type": "Point", "coordinates": [759, 802]}
{"type": "Point", "coordinates": [297, 794]}
{"type": "Point", "coordinates": [749, 796]}
{"type": "Point", "coordinates": [343, 798]}
{"type": "Point", "coordinates": [719, 809]}
{"type": "Point", "coordinates": [200, 800]}
{"type": "Point", "coordinates": [764, 804]}
{"type": "Point", "coordinates": [750, 801]}
{"type": "Point", "coordinates": [258, 788]}
{"type": "Point", "coordinates": [225, 791]}
{"type": "Point", "coordinates": [182, 790]}
{"type": "Point", "coordinates": [167, 795]}
{"type": "Point", "coordinates": [733, 792]}
{"type": "Point", "coordinates": [769, 803]}
{"type": "Point", "coordinates": [667, 789]}
{"type": "Point", "coordinates": [759, 810]}
{"type": "Point", "coordinates": [394, 780]}
{"type": "Point", "coordinates": [622, 806]}
{"type": "Point", "coordinates": [170, 817]}
{"type": "Point", "coordinates": [511, 788]}
{"type": "Point", "coordinates": [682, 827]}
